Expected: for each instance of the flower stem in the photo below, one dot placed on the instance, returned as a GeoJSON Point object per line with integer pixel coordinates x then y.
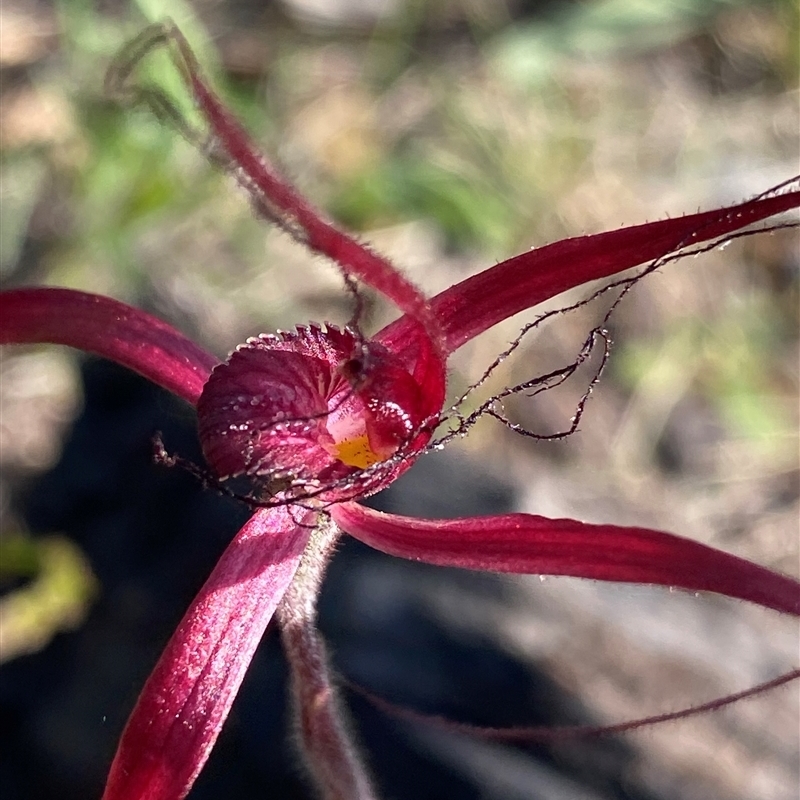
{"type": "Point", "coordinates": [325, 737]}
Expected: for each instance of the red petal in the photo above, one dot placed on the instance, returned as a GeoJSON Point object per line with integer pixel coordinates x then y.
{"type": "Point", "coordinates": [528, 544]}
{"type": "Point", "coordinates": [188, 696]}
{"type": "Point", "coordinates": [477, 303]}
{"type": "Point", "coordinates": [108, 328]}
{"type": "Point", "coordinates": [277, 200]}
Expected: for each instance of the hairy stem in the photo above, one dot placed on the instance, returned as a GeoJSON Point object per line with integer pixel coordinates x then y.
{"type": "Point", "coordinates": [326, 740]}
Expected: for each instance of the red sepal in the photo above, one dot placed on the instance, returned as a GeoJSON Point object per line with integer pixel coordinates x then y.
{"type": "Point", "coordinates": [528, 544]}
{"type": "Point", "coordinates": [188, 695]}
{"type": "Point", "coordinates": [108, 328]}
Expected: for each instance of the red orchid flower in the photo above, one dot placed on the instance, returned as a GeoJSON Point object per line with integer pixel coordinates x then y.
{"type": "Point", "coordinates": [321, 417]}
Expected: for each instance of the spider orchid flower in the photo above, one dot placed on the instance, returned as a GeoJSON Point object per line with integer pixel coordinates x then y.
{"type": "Point", "coordinates": [321, 417]}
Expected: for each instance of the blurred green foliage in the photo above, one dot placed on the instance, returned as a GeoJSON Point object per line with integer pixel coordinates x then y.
{"type": "Point", "coordinates": [55, 594]}
{"type": "Point", "coordinates": [121, 170]}
{"type": "Point", "coordinates": [735, 362]}
{"type": "Point", "coordinates": [502, 129]}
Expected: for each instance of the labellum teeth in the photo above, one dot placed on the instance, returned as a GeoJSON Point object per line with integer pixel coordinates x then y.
{"type": "Point", "coordinates": [315, 406]}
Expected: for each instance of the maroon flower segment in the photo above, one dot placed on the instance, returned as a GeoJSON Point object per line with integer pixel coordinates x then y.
{"type": "Point", "coordinates": [528, 544]}
{"type": "Point", "coordinates": [100, 325]}
{"type": "Point", "coordinates": [318, 406]}
{"type": "Point", "coordinates": [181, 709]}
{"type": "Point", "coordinates": [468, 308]}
